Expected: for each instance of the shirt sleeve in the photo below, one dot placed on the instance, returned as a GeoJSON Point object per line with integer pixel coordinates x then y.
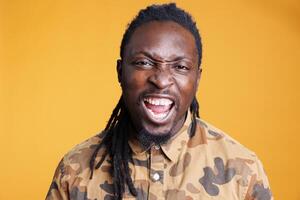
{"type": "Point", "coordinates": [258, 187]}
{"type": "Point", "coordinates": [59, 188]}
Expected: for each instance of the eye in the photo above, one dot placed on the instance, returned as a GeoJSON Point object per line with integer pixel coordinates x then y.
{"type": "Point", "coordinates": [143, 63]}
{"type": "Point", "coordinates": [181, 67]}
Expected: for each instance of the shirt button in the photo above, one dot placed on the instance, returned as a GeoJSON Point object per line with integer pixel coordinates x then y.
{"type": "Point", "coordinates": [156, 147]}
{"type": "Point", "coordinates": [155, 176]}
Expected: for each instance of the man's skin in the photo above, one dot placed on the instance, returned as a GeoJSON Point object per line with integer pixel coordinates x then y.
{"type": "Point", "coordinates": [160, 62]}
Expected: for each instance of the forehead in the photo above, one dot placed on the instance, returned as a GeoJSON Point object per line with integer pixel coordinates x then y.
{"type": "Point", "coordinates": [163, 39]}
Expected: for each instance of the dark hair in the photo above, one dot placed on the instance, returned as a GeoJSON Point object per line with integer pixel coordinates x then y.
{"type": "Point", "coordinates": [165, 12]}
{"type": "Point", "coordinates": [114, 139]}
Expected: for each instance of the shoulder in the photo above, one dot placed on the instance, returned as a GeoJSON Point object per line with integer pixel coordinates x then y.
{"type": "Point", "coordinates": [77, 160]}
{"type": "Point", "coordinates": [234, 161]}
{"type": "Point", "coordinates": [73, 170]}
{"type": "Point", "coordinates": [222, 143]}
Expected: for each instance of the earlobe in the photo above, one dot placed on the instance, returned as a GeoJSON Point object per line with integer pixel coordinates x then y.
{"type": "Point", "coordinates": [119, 69]}
{"type": "Point", "coordinates": [199, 75]}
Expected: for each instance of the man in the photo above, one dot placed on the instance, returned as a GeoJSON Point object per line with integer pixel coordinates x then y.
{"type": "Point", "coordinates": [154, 145]}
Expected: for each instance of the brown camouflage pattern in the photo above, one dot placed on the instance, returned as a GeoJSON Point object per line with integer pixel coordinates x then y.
{"type": "Point", "coordinates": [211, 165]}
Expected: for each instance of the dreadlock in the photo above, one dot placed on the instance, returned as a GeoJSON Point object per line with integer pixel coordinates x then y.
{"type": "Point", "coordinates": [114, 140]}
{"type": "Point", "coordinates": [116, 146]}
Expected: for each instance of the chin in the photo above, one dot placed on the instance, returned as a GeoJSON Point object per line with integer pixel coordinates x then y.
{"type": "Point", "coordinates": [158, 129]}
{"type": "Point", "coordinates": [149, 138]}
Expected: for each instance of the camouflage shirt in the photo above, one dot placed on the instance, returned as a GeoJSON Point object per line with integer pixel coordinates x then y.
{"type": "Point", "coordinates": [210, 165]}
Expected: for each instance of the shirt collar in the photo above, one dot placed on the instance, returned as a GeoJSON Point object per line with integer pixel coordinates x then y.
{"type": "Point", "coordinates": [173, 147]}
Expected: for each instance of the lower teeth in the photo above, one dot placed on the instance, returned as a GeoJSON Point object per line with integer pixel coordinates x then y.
{"type": "Point", "coordinates": [160, 115]}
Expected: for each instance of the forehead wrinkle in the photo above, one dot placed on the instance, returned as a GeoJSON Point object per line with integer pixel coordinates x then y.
{"type": "Point", "coordinates": [156, 57]}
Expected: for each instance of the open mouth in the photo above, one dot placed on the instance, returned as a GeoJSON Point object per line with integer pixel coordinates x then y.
{"type": "Point", "coordinates": [158, 109]}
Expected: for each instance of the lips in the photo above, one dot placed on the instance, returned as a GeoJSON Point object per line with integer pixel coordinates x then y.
{"type": "Point", "coordinates": [158, 109]}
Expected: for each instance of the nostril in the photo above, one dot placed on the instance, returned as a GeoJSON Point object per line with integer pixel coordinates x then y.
{"type": "Point", "coordinates": [161, 79]}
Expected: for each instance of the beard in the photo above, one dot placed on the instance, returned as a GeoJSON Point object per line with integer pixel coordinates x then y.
{"type": "Point", "coordinates": [147, 139]}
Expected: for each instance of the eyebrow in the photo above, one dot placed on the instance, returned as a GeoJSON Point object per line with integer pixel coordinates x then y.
{"type": "Point", "coordinates": [152, 57]}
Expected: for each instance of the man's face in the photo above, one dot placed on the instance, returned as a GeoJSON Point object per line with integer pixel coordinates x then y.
{"type": "Point", "coordinates": [159, 76]}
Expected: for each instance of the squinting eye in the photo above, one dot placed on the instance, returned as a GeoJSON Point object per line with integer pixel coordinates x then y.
{"type": "Point", "coordinates": [181, 67]}
{"type": "Point", "coordinates": [143, 64]}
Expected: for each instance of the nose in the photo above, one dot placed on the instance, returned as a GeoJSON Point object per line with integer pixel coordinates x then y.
{"type": "Point", "coordinates": [161, 79]}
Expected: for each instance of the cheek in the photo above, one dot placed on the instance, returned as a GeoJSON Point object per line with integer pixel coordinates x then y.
{"type": "Point", "coordinates": [132, 81]}
{"type": "Point", "coordinates": [187, 87]}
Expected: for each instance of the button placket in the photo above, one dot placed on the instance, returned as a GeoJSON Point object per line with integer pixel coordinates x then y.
{"type": "Point", "coordinates": [156, 171]}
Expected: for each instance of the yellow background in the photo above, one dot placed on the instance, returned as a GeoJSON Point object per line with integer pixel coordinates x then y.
{"type": "Point", "coordinates": [58, 83]}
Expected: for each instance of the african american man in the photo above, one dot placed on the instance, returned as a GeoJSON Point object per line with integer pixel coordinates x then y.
{"type": "Point", "coordinates": [155, 146]}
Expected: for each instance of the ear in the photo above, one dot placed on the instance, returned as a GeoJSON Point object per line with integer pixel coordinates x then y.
{"type": "Point", "coordinates": [119, 69]}
{"type": "Point", "coordinates": [199, 71]}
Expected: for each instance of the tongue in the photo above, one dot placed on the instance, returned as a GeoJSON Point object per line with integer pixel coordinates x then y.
{"type": "Point", "coordinates": [158, 108]}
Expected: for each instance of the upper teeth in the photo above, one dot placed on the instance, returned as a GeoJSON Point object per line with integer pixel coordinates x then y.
{"type": "Point", "coordinates": [159, 101]}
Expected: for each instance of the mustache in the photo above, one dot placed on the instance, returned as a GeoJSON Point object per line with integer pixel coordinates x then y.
{"type": "Point", "coordinates": [157, 91]}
